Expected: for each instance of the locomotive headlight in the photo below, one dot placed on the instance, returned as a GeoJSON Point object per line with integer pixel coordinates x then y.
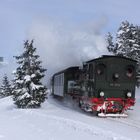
{"type": "Point", "coordinates": [129, 94]}
{"type": "Point", "coordinates": [102, 93]}
{"type": "Point", "coordinates": [116, 75]}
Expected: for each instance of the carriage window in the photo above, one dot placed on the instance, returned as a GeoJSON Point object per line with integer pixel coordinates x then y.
{"type": "Point", "coordinates": [130, 71]}
{"type": "Point", "coordinates": [100, 68]}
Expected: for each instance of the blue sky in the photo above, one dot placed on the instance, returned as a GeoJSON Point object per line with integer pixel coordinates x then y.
{"type": "Point", "coordinates": [42, 19]}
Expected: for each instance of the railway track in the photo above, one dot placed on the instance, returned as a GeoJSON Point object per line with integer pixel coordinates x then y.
{"type": "Point", "coordinates": [127, 121]}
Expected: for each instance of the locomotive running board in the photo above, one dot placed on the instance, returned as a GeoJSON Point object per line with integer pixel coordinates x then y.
{"type": "Point", "coordinates": [102, 115]}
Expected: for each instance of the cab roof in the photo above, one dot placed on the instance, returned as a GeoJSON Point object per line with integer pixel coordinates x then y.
{"type": "Point", "coordinates": [110, 56]}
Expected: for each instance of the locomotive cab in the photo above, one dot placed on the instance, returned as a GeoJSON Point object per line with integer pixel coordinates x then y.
{"type": "Point", "coordinates": [115, 77]}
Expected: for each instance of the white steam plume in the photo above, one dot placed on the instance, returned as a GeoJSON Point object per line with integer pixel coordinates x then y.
{"type": "Point", "coordinates": [61, 47]}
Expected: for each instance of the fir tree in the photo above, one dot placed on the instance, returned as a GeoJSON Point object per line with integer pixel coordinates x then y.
{"type": "Point", "coordinates": [28, 89]}
{"type": "Point", "coordinates": [6, 89]}
{"type": "Point", "coordinates": [127, 41]}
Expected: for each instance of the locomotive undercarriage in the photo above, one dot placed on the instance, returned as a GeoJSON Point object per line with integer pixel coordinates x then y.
{"type": "Point", "coordinates": [106, 107]}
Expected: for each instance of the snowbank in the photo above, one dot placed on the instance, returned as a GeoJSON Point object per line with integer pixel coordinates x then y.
{"type": "Point", "coordinates": [58, 121]}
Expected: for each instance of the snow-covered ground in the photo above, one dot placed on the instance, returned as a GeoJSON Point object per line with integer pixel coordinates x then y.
{"type": "Point", "coordinates": [61, 121]}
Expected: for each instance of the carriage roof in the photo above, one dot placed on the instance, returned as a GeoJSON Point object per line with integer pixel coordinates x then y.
{"type": "Point", "coordinates": [67, 69]}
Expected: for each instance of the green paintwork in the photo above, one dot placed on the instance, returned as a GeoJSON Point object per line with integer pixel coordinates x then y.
{"type": "Point", "coordinates": [92, 83]}
{"type": "Point", "coordinates": [69, 74]}
{"type": "Point", "coordinates": [105, 82]}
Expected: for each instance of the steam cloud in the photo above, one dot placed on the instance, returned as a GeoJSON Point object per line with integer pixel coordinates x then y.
{"type": "Point", "coordinates": [61, 47]}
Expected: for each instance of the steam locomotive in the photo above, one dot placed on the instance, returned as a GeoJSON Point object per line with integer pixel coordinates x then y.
{"type": "Point", "coordinates": [104, 85]}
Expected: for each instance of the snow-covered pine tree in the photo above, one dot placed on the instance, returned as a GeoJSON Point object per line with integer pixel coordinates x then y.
{"type": "Point", "coordinates": [6, 89]}
{"type": "Point", "coordinates": [28, 91]}
{"type": "Point", "coordinates": [126, 40]}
